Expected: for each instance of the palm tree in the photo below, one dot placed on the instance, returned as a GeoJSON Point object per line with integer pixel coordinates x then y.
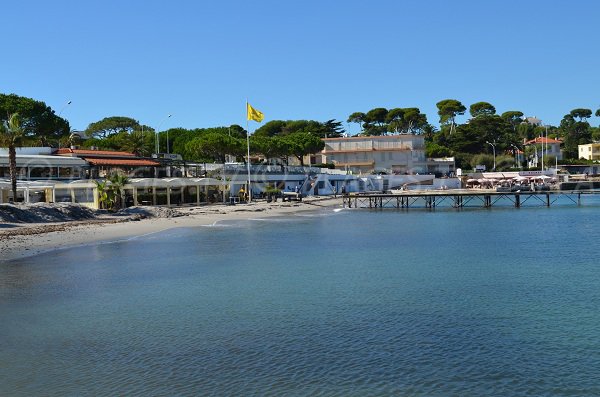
{"type": "Point", "coordinates": [104, 194]}
{"type": "Point", "coordinates": [117, 182]}
{"type": "Point", "coordinates": [138, 143]}
{"type": "Point", "coordinates": [110, 191]}
{"type": "Point", "coordinates": [11, 135]}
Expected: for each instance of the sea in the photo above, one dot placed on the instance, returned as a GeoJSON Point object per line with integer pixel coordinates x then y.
{"type": "Point", "coordinates": [336, 302]}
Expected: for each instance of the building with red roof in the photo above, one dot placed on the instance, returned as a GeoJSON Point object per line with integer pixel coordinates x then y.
{"type": "Point", "coordinates": [543, 147]}
{"type": "Point", "coordinates": [104, 162]}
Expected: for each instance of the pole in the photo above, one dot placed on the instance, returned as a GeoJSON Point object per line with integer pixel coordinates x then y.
{"type": "Point", "coordinates": [493, 145]}
{"type": "Point", "coordinates": [157, 143]}
{"type": "Point", "coordinates": [249, 191]}
{"type": "Point", "coordinates": [59, 114]}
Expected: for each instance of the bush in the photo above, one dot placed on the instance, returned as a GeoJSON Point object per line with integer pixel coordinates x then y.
{"type": "Point", "coordinates": [331, 166]}
{"type": "Point", "coordinates": [434, 150]}
{"type": "Point", "coordinates": [482, 159]}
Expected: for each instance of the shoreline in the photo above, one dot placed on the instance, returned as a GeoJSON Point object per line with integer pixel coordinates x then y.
{"type": "Point", "coordinates": [19, 241]}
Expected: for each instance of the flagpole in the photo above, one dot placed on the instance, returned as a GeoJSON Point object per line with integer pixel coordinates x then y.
{"type": "Point", "coordinates": [249, 191]}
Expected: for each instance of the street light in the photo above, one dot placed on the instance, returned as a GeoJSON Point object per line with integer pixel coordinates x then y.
{"type": "Point", "coordinates": [63, 108]}
{"type": "Point", "coordinates": [59, 113]}
{"type": "Point", "coordinates": [516, 155]}
{"type": "Point", "coordinates": [493, 145]}
{"type": "Point", "coordinates": [157, 143]}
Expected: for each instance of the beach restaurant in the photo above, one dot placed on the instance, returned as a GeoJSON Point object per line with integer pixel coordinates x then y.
{"type": "Point", "coordinates": [137, 191]}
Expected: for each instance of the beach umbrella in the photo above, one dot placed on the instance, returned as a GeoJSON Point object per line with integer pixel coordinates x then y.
{"type": "Point", "coordinates": [471, 180]}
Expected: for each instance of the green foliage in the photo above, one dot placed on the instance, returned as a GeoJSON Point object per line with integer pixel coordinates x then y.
{"type": "Point", "coordinates": [376, 116]}
{"type": "Point", "coordinates": [11, 135]}
{"type": "Point", "coordinates": [359, 118]}
{"type": "Point", "coordinates": [330, 128]}
{"type": "Point", "coordinates": [272, 148]}
{"type": "Point", "coordinates": [505, 163]}
{"type": "Point", "coordinates": [434, 150]}
{"type": "Point", "coordinates": [581, 114]}
{"type": "Point", "coordinates": [463, 160]}
{"type": "Point", "coordinates": [406, 121]}
{"type": "Point", "coordinates": [213, 146]}
{"type": "Point", "coordinates": [38, 119]}
{"type": "Point", "coordinates": [574, 133]}
{"type": "Point", "coordinates": [448, 109]}
{"type": "Point", "coordinates": [482, 109]}
{"type": "Point", "coordinates": [482, 159]}
{"type": "Point", "coordinates": [303, 143]}
{"type": "Point", "coordinates": [330, 166]}
{"type": "Point", "coordinates": [112, 125]}
{"type": "Point", "coordinates": [140, 143]}
{"type": "Point", "coordinates": [513, 117]}
{"type": "Point", "coordinates": [466, 140]}
{"type": "Point", "coordinates": [105, 195]}
{"type": "Point", "coordinates": [271, 128]}
{"type": "Point", "coordinates": [380, 121]}
{"type": "Point", "coordinates": [110, 191]}
{"type": "Point", "coordinates": [595, 134]}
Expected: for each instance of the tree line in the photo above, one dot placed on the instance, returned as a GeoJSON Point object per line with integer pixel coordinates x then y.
{"type": "Point", "coordinates": [280, 139]}
{"type": "Point", "coordinates": [483, 132]}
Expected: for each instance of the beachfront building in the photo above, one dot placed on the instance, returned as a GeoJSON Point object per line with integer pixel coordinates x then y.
{"type": "Point", "coordinates": [39, 164]}
{"type": "Point", "coordinates": [104, 162]}
{"type": "Point", "coordinates": [399, 154]}
{"type": "Point", "coordinates": [137, 191]}
{"type": "Point", "coordinates": [590, 151]}
{"type": "Point", "coordinates": [390, 154]}
{"type": "Point", "coordinates": [542, 147]}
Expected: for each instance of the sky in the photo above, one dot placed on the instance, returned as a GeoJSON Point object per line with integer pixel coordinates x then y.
{"type": "Point", "coordinates": [199, 61]}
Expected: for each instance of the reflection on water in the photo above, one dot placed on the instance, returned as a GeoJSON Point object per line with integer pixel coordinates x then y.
{"type": "Point", "coordinates": [485, 303]}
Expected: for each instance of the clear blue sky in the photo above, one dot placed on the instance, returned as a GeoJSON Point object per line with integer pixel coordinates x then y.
{"type": "Point", "coordinates": [309, 59]}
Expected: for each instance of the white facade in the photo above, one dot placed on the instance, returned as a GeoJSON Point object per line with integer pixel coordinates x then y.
{"type": "Point", "coordinates": [591, 151]}
{"type": "Point", "coordinates": [398, 154]}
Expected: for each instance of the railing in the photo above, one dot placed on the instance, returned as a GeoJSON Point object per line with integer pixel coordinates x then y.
{"type": "Point", "coordinates": [262, 169]}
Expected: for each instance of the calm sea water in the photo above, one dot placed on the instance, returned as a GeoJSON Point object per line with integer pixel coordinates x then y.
{"type": "Point", "coordinates": [352, 303]}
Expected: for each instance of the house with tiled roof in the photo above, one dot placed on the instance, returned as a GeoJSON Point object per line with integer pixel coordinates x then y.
{"type": "Point", "coordinates": [543, 147]}
{"type": "Point", "coordinates": [104, 162]}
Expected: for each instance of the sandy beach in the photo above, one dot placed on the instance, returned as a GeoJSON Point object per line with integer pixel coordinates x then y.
{"type": "Point", "coordinates": [20, 240]}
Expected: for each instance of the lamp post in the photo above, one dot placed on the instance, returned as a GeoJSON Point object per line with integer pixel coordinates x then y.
{"type": "Point", "coordinates": [59, 113]}
{"type": "Point", "coordinates": [157, 143]}
{"type": "Point", "coordinates": [516, 155]}
{"type": "Point", "coordinates": [63, 108]}
{"type": "Point", "coordinates": [493, 145]}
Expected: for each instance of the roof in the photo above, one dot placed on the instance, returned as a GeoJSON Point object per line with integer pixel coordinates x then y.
{"type": "Point", "coordinates": [391, 149]}
{"type": "Point", "coordinates": [125, 162]}
{"type": "Point", "coordinates": [541, 139]}
{"type": "Point", "coordinates": [87, 152]}
{"type": "Point", "coordinates": [374, 137]}
{"type": "Point", "coordinates": [174, 182]}
{"type": "Point", "coordinates": [33, 160]}
{"type": "Point", "coordinates": [355, 164]}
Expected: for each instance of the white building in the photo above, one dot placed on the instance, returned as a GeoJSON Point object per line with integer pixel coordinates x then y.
{"type": "Point", "coordinates": [398, 154]}
{"type": "Point", "coordinates": [591, 151]}
{"type": "Point", "coordinates": [392, 154]}
{"type": "Point", "coordinates": [543, 147]}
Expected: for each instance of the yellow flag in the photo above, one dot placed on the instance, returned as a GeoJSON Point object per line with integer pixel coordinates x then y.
{"type": "Point", "coordinates": [254, 114]}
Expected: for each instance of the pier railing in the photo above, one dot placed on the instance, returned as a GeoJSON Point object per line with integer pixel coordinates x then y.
{"type": "Point", "coordinates": [464, 198]}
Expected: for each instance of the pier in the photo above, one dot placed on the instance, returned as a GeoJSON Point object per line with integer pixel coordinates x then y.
{"type": "Point", "coordinates": [462, 198]}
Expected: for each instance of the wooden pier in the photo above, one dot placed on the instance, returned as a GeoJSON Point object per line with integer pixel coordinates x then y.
{"type": "Point", "coordinates": [462, 198]}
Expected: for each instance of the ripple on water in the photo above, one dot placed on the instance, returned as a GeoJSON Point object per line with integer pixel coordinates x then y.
{"type": "Point", "coordinates": [311, 306]}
